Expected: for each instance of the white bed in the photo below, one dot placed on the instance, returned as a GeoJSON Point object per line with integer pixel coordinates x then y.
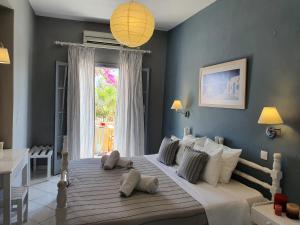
{"type": "Point", "coordinates": [224, 204]}
{"type": "Point", "coordinates": [231, 201]}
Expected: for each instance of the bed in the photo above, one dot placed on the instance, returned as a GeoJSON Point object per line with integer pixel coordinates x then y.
{"type": "Point", "coordinates": [92, 196]}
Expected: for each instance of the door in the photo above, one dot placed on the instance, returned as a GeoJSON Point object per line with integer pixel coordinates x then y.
{"type": "Point", "coordinates": [106, 86]}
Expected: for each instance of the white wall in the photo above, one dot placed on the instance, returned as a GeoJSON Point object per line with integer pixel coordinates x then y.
{"type": "Point", "coordinates": [24, 23]}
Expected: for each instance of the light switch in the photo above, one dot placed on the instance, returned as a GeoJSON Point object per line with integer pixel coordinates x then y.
{"type": "Point", "coordinates": [264, 154]}
{"type": "Point", "coordinates": [186, 131]}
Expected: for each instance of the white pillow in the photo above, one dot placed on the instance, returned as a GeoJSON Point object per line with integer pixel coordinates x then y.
{"type": "Point", "coordinates": [230, 158]}
{"type": "Point", "coordinates": [212, 169]}
{"type": "Point", "coordinates": [188, 137]}
{"type": "Point", "coordinates": [199, 144]}
{"type": "Point", "coordinates": [174, 138]}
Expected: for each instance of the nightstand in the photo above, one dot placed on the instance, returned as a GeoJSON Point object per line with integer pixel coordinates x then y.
{"type": "Point", "coordinates": [264, 215]}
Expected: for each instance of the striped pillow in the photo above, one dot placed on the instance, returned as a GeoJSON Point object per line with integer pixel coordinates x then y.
{"type": "Point", "coordinates": [167, 151]}
{"type": "Point", "coordinates": [192, 164]}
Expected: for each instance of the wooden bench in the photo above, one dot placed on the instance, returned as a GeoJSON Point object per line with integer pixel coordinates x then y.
{"type": "Point", "coordinates": [41, 152]}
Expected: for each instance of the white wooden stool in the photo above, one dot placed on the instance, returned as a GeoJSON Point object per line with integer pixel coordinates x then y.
{"type": "Point", "coordinates": [40, 152]}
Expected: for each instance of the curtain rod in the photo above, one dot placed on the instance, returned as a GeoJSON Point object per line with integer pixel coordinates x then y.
{"type": "Point", "coordinates": [118, 48]}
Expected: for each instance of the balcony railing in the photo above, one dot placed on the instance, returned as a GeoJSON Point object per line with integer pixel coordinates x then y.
{"type": "Point", "coordinates": [104, 138]}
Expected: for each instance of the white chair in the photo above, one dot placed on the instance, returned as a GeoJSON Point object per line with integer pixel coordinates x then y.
{"type": "Point", "coordinates": [19, 204]}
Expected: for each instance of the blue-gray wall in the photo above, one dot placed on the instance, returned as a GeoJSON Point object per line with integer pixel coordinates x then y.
{"type": "Point", "coordinates": [267, 33]}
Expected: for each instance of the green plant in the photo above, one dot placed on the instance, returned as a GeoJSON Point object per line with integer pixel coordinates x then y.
{"type": "Point", "coordinates": [105, 98]}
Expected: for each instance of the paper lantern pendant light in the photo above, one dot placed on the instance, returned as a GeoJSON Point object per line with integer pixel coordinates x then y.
{"type": "Point", "coordinates": [132, 24]}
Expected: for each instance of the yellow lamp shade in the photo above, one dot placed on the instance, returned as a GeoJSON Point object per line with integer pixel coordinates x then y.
{"type": "Point", "coordinates": [176, 105]}
{"type": "Point", "coordinates": [4, 56]}
{"type": "Point", "coordinates": [270, 115]}
{"type": "Point", "coordinates": [132, 24]}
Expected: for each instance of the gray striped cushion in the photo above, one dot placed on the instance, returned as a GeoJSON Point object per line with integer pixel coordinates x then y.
{"type": "Point", "coordinates": [167, 151]}
{"type": "Point", "coordinates": [192, 165]}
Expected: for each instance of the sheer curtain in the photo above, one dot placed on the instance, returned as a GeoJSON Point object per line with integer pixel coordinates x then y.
{"type": "Point", "coordinates": [80, 122]}
{"type": "Point", "coordinates": [129, 128]}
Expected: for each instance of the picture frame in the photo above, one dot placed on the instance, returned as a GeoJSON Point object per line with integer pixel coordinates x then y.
{"type": "Point", "coordinates": [223, 85]}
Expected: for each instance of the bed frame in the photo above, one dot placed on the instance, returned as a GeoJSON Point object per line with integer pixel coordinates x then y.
{"type": "Point", "coordinates": [275, 173]}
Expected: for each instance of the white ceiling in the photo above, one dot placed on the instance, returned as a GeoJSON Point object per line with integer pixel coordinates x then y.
{"type": "Point", "coordinates": [167, 13]}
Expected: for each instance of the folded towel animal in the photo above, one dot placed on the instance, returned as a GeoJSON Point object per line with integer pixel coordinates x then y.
{"type": "Point", "coordinates": [123, 162]}
{"type": "Point", "coordinates": [130, 182]}
{"type": "Point", "coordinates": [111, 160]}
{"type": "Point", "coordinates": [147, 183]}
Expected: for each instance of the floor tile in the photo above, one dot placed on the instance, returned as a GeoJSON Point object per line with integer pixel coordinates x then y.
{"type": "Point", "coordinates": [35, 193]}
{"type": "Point", "coordinates": [45, 199]}
{"type": "Point", "coordinates": [52, 205]}
{"type": "Point", "coordinates": [55, 179]}
{"type": "Point", "coordinates": [42, 202]}
{"type": "Point", "coordinates": [50, 221]}
{"type": "Point", "coordinates": [41, 214]}
{"type": "Point", "coordinates": [31, 222]}
{"type": "Point", "coordinates": [32, 206]}
{"type": "Point", "coordinates": [47, 187]}
{"type": "Point", "coordinates": [39, 175]}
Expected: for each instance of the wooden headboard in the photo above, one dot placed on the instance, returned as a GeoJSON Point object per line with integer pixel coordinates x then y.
{"type": "Point", "coordinates": [275, 173]}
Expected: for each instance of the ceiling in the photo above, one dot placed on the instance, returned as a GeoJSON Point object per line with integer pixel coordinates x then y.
{"type": "Point", "coordinates": [167, 13]}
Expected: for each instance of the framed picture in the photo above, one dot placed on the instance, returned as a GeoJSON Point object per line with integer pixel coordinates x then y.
{"type": "Point", "coordinates": [223, 85]}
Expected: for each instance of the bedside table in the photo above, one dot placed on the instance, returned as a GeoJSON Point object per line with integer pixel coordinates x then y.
{"type": "Point", "coordinates": [264, 215]}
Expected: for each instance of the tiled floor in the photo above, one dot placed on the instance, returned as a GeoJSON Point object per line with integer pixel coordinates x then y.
{"type": "Point", "coordinates": [42, 202]}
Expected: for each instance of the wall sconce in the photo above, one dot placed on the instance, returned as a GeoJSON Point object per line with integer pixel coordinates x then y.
{"type": "Point", "coordinates": [177, 106]}
{"type": "Point", "coordinates": [4, 56]}
{"type": "Point", "coordinates": [270, 116]}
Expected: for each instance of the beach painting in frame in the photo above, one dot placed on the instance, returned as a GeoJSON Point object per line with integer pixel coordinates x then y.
{"type": "Point", "coordinates": [223, 85]}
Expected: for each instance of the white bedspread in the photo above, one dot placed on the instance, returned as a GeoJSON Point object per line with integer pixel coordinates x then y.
{"type": "Point", "coordinates": [225, 204]}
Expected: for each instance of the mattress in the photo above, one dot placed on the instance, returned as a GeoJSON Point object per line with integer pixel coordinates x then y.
{"type": "Point", "coordinates": [93, 198]}
{"type": "Point", "coordinates": [225, 204]}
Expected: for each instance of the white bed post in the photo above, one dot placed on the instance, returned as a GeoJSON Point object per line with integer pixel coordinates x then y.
{"type": "Point", "coordinates": [62, 185]}
{"type": "Point", "coordinates": [276, 175]}
{"type": "Point", "coordinates": [61, 203]}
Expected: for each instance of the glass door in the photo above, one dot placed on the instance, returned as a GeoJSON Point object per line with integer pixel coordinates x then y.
{"type": "Point", "coordinates": [106, 82]}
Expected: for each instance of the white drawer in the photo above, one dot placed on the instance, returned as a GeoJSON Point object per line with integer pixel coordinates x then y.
{"type": "Point", "coordinates": [260, 219]}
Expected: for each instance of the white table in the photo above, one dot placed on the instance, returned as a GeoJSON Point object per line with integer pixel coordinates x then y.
{"type": "Point", "coordinates": [264, 215]}
{"type": "Point", "coordinates": [13, 163]}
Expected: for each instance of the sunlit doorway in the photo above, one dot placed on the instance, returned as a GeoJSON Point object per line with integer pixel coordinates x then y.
{"type": "Point", "coordinates": [106, 82]}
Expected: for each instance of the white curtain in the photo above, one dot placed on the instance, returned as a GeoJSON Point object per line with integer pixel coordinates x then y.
{"type": "Point", "coordinates": [129, 127]}
{"type": "Point", "coordinates": [80, 122]}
